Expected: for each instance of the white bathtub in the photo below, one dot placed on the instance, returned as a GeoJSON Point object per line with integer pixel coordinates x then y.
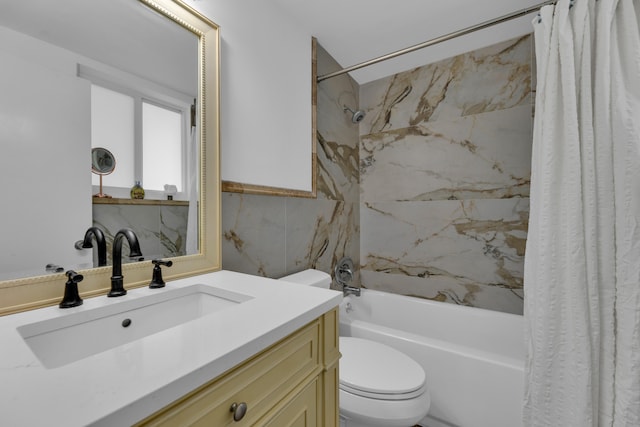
{"type": "Point", "coordinates": [473, 358]}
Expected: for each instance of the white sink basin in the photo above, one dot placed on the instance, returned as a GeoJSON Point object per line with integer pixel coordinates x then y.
{"type": "Point", "coordinates": [69, 338]}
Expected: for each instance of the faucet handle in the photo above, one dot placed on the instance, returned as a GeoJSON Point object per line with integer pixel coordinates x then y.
{"type": "Point", "coordinates": [74, 277]}
{"type": "Point", "coordinates": [156, 279]}
{"type": "Point", "coordinates": [71, 296]}
{"type": "Point", "coordinates": [343, 271]}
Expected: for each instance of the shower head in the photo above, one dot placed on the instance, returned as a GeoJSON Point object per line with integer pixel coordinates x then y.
{"type": "Point", "coordinates": [357, 116]}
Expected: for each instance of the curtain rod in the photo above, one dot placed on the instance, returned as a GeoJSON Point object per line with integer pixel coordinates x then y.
{"type": "Point", "coordinates": [481, 26]}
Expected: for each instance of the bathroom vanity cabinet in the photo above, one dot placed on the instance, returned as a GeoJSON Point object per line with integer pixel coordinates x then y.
{"type": "Point", "coordinates": [188, 352]}
{"type": "Point", "coordinates": [293, 382]}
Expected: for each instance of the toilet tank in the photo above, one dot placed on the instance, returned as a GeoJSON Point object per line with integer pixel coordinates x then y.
{"type": "Point", "coordinates": [310, 277]}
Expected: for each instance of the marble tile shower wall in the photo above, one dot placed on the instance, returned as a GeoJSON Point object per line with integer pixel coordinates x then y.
{"type": "Point", "coordinates": [274, 236]}
{"type": "Point", "coordinates": [445, 153]}
{"type": "Point", "coordinates": [161, 230]}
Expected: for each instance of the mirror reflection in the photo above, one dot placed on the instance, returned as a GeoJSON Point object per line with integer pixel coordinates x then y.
{"type": "Point", "coordinates": [102, 161]}
{"type": "Point", "coordinates": [108, 74]}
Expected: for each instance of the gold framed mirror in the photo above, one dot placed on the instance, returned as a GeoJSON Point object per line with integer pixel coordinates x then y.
{"type": "Point", "coordinates": [35, 291]}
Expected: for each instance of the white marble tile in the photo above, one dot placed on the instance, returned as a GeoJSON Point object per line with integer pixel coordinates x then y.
{"type": "Point", "coordinates": [143, 220]}
{"type": "Point", "coordinates": [481, 156]}
{"type": "Point", "coordinates": [453, 292]}
{"type": "Point", "coordinates": [337, 177]}
{"type": "Point", "coordinates": [489, 79]}
{"type": "Point", "coordinates": [458, 251]}
{"type": "Point", "coordinates": [337, 149]}
{"type": "Point", "coordinates": [173, 229]}
{"type": "Point", "coordinates": [320, 232]}
{"type": "Point", "coordinates": [253, 234]}
{"type": "Point", "coordinates": [275, 236]}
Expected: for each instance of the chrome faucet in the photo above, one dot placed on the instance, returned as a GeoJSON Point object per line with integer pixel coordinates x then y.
{"type": "Point", "coordinates": [350, 290]}
{"type": "Point", "coordinates": [343, 273]}
{"type": "Point", "coordinates": [117, 280]}
{"type": "Point", "coordinates": [100, 241]}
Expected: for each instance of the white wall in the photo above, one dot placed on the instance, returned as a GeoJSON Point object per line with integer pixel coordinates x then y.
{"type": "Point", "coordinates": [265, 93]}
{"type": "Point", "coordinates": [46, 162]}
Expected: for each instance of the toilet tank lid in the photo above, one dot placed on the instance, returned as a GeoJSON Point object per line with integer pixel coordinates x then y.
{"type": "Point", "coordinates": [310, 277]}
{"type": "Point", "coordinates": [373, 367]}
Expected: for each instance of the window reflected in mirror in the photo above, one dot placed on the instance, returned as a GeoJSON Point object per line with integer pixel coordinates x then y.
{"type": "Point", "coordinates": [152, 140]}
{"type": "Point", "coordinates": [163, 132]}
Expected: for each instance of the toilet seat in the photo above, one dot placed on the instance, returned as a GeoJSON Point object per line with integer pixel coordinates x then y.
{"type": "Point", "coordinates": [373, 370]}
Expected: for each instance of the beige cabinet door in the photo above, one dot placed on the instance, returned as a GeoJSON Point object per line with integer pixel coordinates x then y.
{"type": "Point", "coordinates": [301, 411]}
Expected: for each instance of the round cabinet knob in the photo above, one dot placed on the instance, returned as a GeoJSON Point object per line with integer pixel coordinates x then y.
{"type": "Point", "coordinates": [239, 410]}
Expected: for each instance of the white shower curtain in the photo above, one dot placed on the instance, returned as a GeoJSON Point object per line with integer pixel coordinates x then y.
{"type": "Point", "coordinates": [582, 264]}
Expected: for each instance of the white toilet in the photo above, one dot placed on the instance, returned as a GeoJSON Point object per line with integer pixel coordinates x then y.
{"type": "Point", "coordinates": [379, 385]}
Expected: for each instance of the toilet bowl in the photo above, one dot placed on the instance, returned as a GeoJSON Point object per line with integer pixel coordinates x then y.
{"type": "Point", "coordinates": [379, 385]}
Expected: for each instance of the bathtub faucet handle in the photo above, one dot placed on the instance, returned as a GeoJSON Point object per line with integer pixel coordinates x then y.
{"type": "Point", "coordinates": [343, 274]}
{"type": "Point", "coordinates": [346, 273]}
{"type": "Point", "coordinates": [343, 271]}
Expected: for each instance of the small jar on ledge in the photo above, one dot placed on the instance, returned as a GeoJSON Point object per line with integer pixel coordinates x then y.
{"type": "Point", "coordinates": [137, 192]}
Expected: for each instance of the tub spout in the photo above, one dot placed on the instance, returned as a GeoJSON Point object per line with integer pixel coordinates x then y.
{"type": "Point", "coordinates": [351, 290]}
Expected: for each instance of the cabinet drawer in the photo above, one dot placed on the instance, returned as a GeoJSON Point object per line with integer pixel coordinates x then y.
{"type": "Point", "coordinates": [301, 411]}
{"type": "Point", "coordinates": [260, 382]}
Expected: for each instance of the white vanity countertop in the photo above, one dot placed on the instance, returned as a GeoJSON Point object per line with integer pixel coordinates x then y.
{"type": "Point", "coordinates": [124, 385]}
